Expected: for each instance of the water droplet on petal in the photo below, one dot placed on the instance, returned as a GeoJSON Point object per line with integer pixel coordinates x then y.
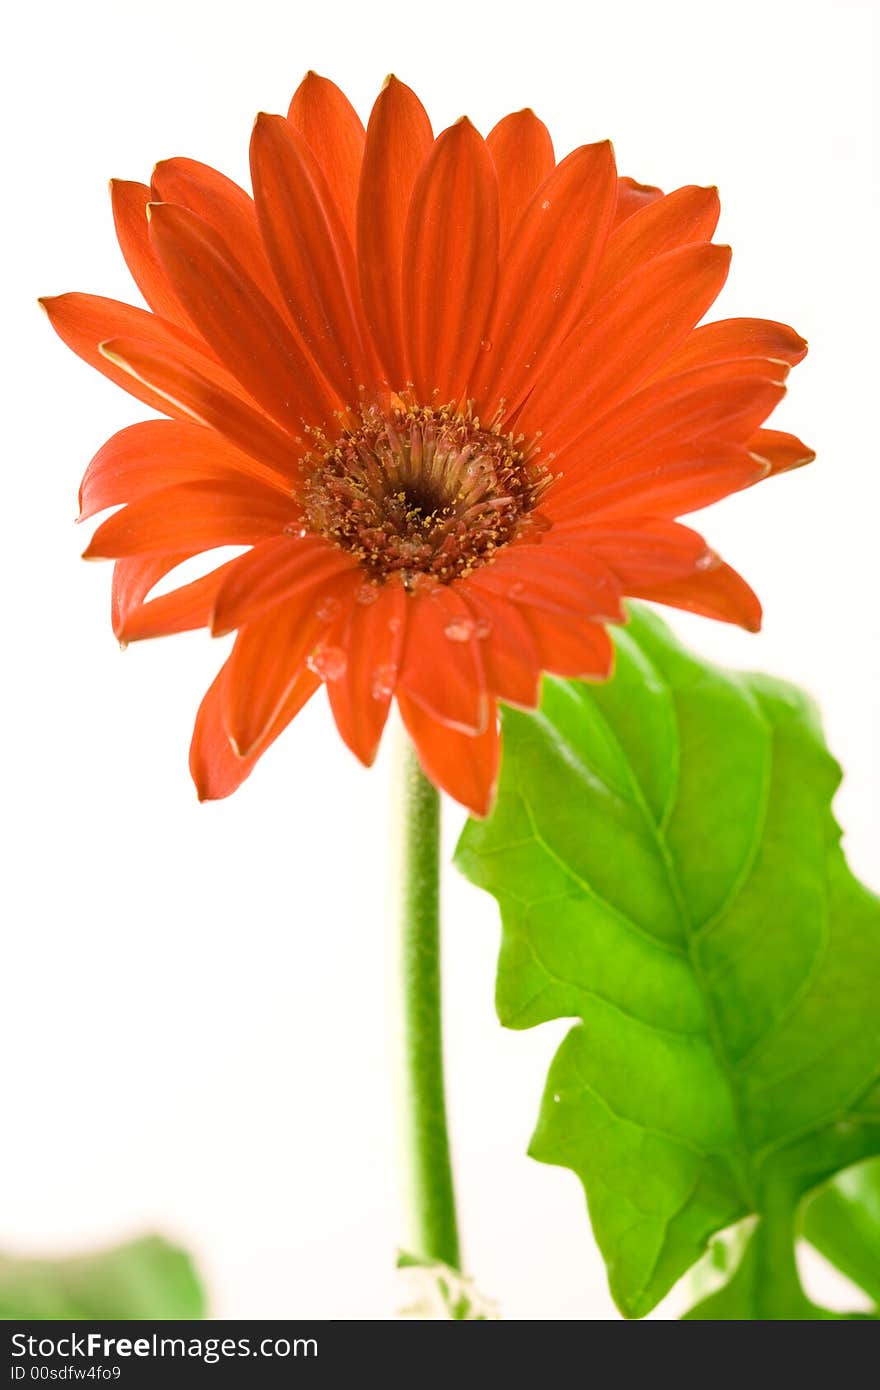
{"type": "Point", "coordinates": [366, 593]}
{"type": "Point", "coordinates": [708, 560]}
{"type": "Point", "coordinates": [516, 589]}
{"type": "Point", "coordinates": [328, 662]}
{"type": "Point", "coordinates": [482, 629]}
{"type": "Point", "coordinates": [295, 529]}
{"type": "Point", "coordinates": [328, 609]}
{"type": "Point", "coordinates": [486, 345]}
{"type": "Point", "coordinates": [460, 629]}
{"type": "Point", "coordinates": [424, 584]}
{"type": "Point", "coordinates": [383, 682]}
{"type": "Point", "coordinates": [394, 624]}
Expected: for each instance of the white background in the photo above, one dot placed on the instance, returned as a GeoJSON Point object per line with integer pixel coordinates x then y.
{"type": "Point", "coordinates": [194, 1000]}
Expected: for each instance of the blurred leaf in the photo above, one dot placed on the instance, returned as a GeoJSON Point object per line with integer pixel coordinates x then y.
{"type": "Point", "coordinates": [744, 1297]}
{"type": "Point", "coordinates": [432, 1291]}
{"type": "Point", "coordinates": [842, 1220]}
{"type": "Point", "coordinates": [752, 1290]}
{"type": "Point", "coordinates": [143, 1279]}
{"type": "Point", "coordinates": [669, 873]}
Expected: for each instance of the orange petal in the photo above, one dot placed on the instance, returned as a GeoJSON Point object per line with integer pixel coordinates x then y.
{"type": "Point", "coordinates": [330, 126]}
{"type": "Point", "coordinates": [450, 262]}
{"type": "Point", "coordinates": [687, 215]}
{"type": "Point", "coordinates": [236, 318]}
{"type": "Point", "coordinates": [311, 255]}
{"type": "Point", "coordinates": [267, 662]}
{"type": "Point", "coordinates": [398, 143]}
{"type": "Point", "coordinates": [180, 610]}
{"type": "Point", "coordinates": [85, 321]}
{"type": "Point", "coordinates": [728, 339]}
{"type": "Point", "coordinates": [463, 765]}
{"type": "Point", "coordinates": [563, 578]}
{"type": "Point", "coordinates": [193, 517]}
{"type": "Point", "coordinates": [718, 593]}
{"type": "Point", "coordinates": [622, 340]}
{"type": "Point", "coordinates": [133, 578]}
{"type": "Point", "coordinates": [510, 656]}
{"type": "Point", "coordinates": [275, 570]}
{"type": "Point", "coordinates": [546, 275]}
{"type": "Point", "coordinates": [632, 196]}
{"type": "Point", "coordinates": [649, 551]}
{"type": "Point", "coordinates": [183, 388]}
{"type": "Point", "coordinates": [214, 765]}
{"type": "Point", "coordinates": [129, 202]}
{"type": "Point", "coordinates": [154, 454]}
{"type": "Point", "coordinates": [522, 149]}
{"type": "Point", "coordinates": [782, 451]}
{"type": "Point", "coordinates": [571, 648]}
{"type": "Point", "coordinates": [225, 207]}
{"type": "Point", "coordinates": [662, 483]}
{"type": "Point", "coordinates": [372, 636]}
{"type": "Point", "coordinates": [442, 668]}
{"type": "Point", "coordinates": [713, 402]}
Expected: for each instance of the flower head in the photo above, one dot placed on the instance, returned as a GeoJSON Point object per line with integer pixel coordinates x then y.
{"type": "Point", "coordinates": [450, 394]}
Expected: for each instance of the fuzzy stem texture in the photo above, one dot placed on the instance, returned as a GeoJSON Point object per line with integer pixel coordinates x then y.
{"type": "Point", "coordinates": [433, 1224]}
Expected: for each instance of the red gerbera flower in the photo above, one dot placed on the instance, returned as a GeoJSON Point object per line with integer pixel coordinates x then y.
{"type": "Point", "coordinates": [450, 393]}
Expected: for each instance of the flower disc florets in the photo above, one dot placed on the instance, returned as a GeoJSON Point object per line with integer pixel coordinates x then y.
{"type": "Point", "coordinates": [422, 491]}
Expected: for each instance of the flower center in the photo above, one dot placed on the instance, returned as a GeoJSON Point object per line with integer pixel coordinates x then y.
{"type": "Point", "coordinates": [422, 491]}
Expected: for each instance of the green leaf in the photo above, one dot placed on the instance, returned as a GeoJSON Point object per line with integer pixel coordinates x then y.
{"type": "Point", "coordinates": [754, 1290]}
{"type": "Point", "coordinates": [143, 1279]}
{"type": "Point", "coordinates": [669, 874]}
{"type": "Point", "coordinates": [842, 1220]}
{"type": "Point", "coordinates": [739, 1276]}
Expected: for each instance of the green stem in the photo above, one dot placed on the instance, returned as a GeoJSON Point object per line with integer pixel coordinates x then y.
{"type": "Point", "coordinates": [433, 1226]}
